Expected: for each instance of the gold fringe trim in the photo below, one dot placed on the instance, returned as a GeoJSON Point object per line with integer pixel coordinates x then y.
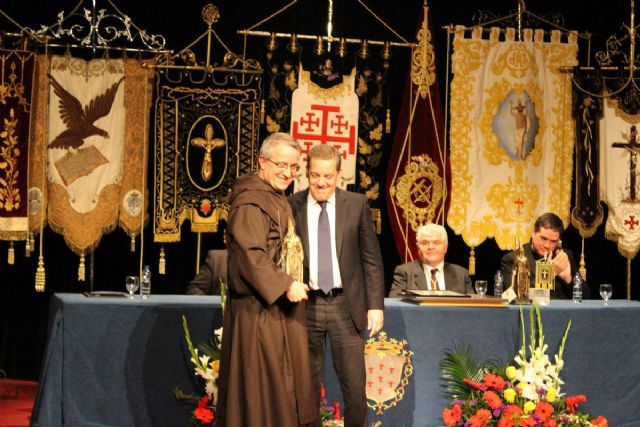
{"type": "Point", "coordinates": [40, 275]}
{"type": "Point", "coordinates": [81, 269]}
{"type": "Point", "coordinates": [11, 255]}
{"type": "Point", "coordinates": [162, 264]}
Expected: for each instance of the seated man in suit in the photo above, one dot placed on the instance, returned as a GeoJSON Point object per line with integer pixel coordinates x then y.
{"type": "Point", "coordinates": [545, 239]}
{"type": "Point", "coordinates": [214, 270]}
{"type": "Point", "coordinates": [430, 272]}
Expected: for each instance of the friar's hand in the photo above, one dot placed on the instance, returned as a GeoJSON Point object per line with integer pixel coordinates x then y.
{"type": "Point", "coordinates": [297, 292]}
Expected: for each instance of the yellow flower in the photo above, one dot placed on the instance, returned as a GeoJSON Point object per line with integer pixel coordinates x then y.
{"type": "Point", "coordinates": [529, 407]}
{"type": "Point", "coordinates": [509, 395]}
{"type": "Point", "coordinates": [511, 372]}
{"type": "Point", "coordinates": [551, 395]}
{"type": "Point", "coordinates": [215, 365]}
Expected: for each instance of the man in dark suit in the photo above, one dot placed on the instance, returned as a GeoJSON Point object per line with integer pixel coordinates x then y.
{"type": "Point", "coordinates": [345, 275]}
{"type": "Point", "coordinates": [545, 240]}
{"type": "Point", "coordinates": [430, 272]}
{"type": "Point", "coordinates": [212, 274]}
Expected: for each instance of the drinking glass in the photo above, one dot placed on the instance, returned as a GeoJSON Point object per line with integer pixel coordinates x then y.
{"type": "Point", "coordinates": [132, 283]}
{"type": "Point", "coordinates": [481, 287]}
{"type": "Point", "coordinates": [605, 292]}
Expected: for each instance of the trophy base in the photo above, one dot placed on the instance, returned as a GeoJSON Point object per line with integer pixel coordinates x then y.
{"type": "Point", "coordinates": [522, 301]}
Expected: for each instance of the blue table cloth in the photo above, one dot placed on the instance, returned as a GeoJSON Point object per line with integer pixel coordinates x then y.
{"type": "Point", "coordinates": [115, 361]}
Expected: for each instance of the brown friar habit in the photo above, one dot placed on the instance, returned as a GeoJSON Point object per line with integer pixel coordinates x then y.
{"type": "Point", "coordinates": [265, 378]}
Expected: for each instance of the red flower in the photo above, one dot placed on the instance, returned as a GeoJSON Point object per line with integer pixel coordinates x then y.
{"type": "Point", "coordinates": [451, 416]}
{"type": "Point", "coordinates": [528, 422]}
{"type": "Point", "coordinates": [336, 411]}
{"type": "Point", "coordinates": [480, 419]}
{"type": "Point", "coordinates": [543, 411]}
{"type": "Point", "coordinates": [322, 391]}
{"type": "Point", "coordinates": [477, 386]}
{"type": "Point", "coordinates": [204, 415]}
{"type": "Point", "coordinates": [573, 401]}
{"type": "Point", "coordinates": [509, 416]}
{"type": "Point", "coordinates": [493, 400]}
{"type": "Point", "coordinates": [204, 401]}
{"type": "Point", "coordinates": [494, 381]}
{"type": "Point", "coordinates": [600, 422]}
{"type": "Point", "coordinates": [550, 423]}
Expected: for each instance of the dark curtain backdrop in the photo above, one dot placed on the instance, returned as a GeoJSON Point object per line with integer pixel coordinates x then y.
{"type": "Point", "coordinates": [24, 313]}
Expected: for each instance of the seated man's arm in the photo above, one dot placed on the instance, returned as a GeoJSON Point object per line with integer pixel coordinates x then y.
{"type": "Point", "coordinates": [400, 282]}
{"type": "Point", "coordinates": [506, 265]}
{"type": "Point", "coordinates": [203, 283]}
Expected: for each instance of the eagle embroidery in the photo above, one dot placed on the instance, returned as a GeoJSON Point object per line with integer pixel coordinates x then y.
{"type": "Point", "coordinates": [80, 121]}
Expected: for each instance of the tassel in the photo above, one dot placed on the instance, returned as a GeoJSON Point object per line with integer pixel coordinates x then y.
{"type": "Point", "coordinates": [472, 262]}
{"type": "Point", "coordinates": [32, 241]}
{"type": "Point", "coordinates": [162, 265]}
{"type": "Point", "coordinates": [11, 256]}
{"type": "Point", "coordinates": [81, 269]}
{"type": "Point", "coordinates": [583, 268]}
{"type": "Point", "coordinates": [132, 248]}
{"type": "Point", "coordinates": [387, 123]}
{"type": "Point", "coordinates": [40, 275]}
{"type": "Point", "coordinates": [27, 248]}
{"type": "Point", "coordinates": [262, 108]}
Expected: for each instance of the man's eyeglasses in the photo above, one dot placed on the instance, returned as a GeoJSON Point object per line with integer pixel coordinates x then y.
{"type": "Point", "coordinates": [285, 166]}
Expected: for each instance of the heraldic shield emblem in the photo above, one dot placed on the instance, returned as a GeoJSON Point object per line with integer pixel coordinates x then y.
{"type": "Point", "coordinates": [389, 368]}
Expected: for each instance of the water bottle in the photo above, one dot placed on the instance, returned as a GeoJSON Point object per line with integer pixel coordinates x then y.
{"type": "Point", "coordinates": [577, 288]}
{"type": "Point", "coordinates": [145, 283]}
{"type": "Point", "coordinates": [498, 284]}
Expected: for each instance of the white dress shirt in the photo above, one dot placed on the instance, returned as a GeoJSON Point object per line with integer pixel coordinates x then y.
{"type": "Point", "coordinates": [313, 212]}
{"type": "Point", "coordinates": [439, 276]}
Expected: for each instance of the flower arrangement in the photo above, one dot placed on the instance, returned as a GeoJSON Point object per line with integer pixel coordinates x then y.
{"type": "Point", "coordinates": [206, 363]}
{"type": "Point", "coordinates": [330, 415]}
{"type": "Point", "coordinates": [525, 394]}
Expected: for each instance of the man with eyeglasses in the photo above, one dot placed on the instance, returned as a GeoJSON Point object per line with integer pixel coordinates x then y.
{"type": "Point", "coordinates": [430, 271]}
{"type": "Point", "coordinates": [343, 267]}
{"type": "Point", "coordinates": [545, 243]}
{"type": "Point", "coordinates": [265, 375]}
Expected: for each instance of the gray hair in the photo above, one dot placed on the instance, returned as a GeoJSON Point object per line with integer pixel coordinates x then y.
{"type": "Point", "coordinates": [275, 139]}
{"type": "Point", "coordinates": [432, 229]}
{"type": "Point", "coordinates": [324, 152]}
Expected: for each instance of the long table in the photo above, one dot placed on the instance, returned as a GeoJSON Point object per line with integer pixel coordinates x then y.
{"type": "Point", "coordinates": [115, 361]}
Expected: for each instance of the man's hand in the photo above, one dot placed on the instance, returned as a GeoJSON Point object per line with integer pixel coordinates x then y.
{"type": "Point", "coordinates": [297, 292]}
{"type": "Point", "coordinates": [375, 320]}
{"type": "Point", "coordinates": [563, 266]}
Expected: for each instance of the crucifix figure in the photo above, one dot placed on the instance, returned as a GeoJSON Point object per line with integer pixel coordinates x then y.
{"type": "Point", "coordinates": [208, 143]}
{"type": "Point", "coordinates": [633, 146]}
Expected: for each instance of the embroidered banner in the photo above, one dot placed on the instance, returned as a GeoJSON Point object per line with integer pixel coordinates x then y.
{"type": "Point", "coordinates": [16, 83]}
{"type": "Point", "coordinates": [418, 168]}
{"type": "Point", "coordinates": [511, 133]}
{"type": "Point", "coordinates": [96, 148]}
{"type": "Point", "coordinates": [619, 180]}
{"type": "Point", "coordinates": [207, 129]}
{"type": "Point", "coordinates": [326, 116]}
{"type": "Point", "coordinates": [587, 213]}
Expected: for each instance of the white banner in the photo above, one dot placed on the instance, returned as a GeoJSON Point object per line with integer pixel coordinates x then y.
{"type": "Point", "coordinates": [511, 133]}
{"type": "Point", "coordinates": [619, 180]}
{"type": "Point", "coordinates": [326, 116]}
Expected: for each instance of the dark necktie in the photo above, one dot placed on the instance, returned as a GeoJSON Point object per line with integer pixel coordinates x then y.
{"type": "Point", "coordinates": [325, 267]}
{"type": "Point", "coordinates": [434, 280]}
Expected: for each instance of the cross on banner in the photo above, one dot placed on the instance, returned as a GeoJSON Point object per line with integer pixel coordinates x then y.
{"type": "Point", "coordinates": [326, 116]}
{"type": "Point", "coordinates": [633, 146]}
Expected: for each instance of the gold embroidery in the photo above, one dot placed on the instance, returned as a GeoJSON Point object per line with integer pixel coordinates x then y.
{"type": "Point", "coordinates": [9, 155]}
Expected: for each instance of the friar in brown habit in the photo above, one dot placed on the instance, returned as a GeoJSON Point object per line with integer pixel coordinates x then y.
{"type": "Point", "coordinates": [265, 378]}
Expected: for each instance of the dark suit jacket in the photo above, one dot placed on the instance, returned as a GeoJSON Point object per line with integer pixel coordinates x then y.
{"type": "Point", "coordinates": [214, 269]}
{"type": "Point", "coordinates": [563, 290]}
{"type": "Point", "coordinates": [411, 276]}
{"type": "Point", "coordinates": [357, 250]}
